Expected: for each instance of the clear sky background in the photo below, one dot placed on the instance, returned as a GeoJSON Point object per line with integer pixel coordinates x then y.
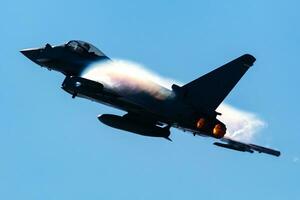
{"type": "Point", "coordinates": [53, 147]}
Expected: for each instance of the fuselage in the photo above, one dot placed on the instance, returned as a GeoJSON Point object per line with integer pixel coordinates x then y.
{"type": "Point", "coordinates": [163, 107]}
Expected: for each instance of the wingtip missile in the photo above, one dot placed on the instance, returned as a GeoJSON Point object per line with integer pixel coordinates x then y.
{"type": "Point", "coordinates": [244, 147]}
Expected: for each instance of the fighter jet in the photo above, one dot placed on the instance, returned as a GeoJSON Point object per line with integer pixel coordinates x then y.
{"type": "Point", "coordinates": [191, 107]}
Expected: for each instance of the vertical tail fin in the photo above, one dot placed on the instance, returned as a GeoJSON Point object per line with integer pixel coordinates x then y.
{"type": "Point", "coordinates": [208, 91]}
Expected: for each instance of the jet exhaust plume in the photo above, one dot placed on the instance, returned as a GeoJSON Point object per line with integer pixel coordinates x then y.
{"type": "Point", "coordinates": [133, 77]}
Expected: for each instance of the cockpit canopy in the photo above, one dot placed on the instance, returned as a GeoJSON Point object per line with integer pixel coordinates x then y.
{"type": "Point", "coordinates": [83, 47]}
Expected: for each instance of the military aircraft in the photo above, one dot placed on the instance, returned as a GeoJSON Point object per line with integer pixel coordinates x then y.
{"type": "Point", "coordinates": [191, 107]}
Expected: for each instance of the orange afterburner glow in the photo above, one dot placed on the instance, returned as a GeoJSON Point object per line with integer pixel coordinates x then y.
{"type": "Point", "coordinates": [200, 123]}
{"type": "Point", "coordinates": [219, 130]}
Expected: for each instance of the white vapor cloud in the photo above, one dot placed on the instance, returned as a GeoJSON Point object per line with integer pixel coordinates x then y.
{"type": "Point", "coordinates": [120, 74]}
{"type": "Point", "coordinates": [241, 125]}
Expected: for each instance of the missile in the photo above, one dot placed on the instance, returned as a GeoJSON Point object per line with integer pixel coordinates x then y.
{"type": "Point", "coordinates": [230, 146]}
{"type": "Point", "coordinates": [134, 126]}
{"type": "Point", "coordinates": [244, 147]}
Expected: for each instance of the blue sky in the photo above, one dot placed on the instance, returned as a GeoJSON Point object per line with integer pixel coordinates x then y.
{"type": "Point", "coordinates": [53, 147]}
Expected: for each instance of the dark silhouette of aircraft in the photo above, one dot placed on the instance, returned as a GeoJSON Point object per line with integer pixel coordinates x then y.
{"type": "Point", "coordinates": [191, 107]}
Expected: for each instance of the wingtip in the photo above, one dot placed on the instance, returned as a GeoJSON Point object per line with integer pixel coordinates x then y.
{"type": "Point", "coordinates": [248, 59]}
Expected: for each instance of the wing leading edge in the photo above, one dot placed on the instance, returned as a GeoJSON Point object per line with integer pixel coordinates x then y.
{"type": "Point", "coordinates": [245, 147]}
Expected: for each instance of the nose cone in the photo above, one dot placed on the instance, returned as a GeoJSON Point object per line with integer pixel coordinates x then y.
{"type": "Point", "coordinates": [33, 54]}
